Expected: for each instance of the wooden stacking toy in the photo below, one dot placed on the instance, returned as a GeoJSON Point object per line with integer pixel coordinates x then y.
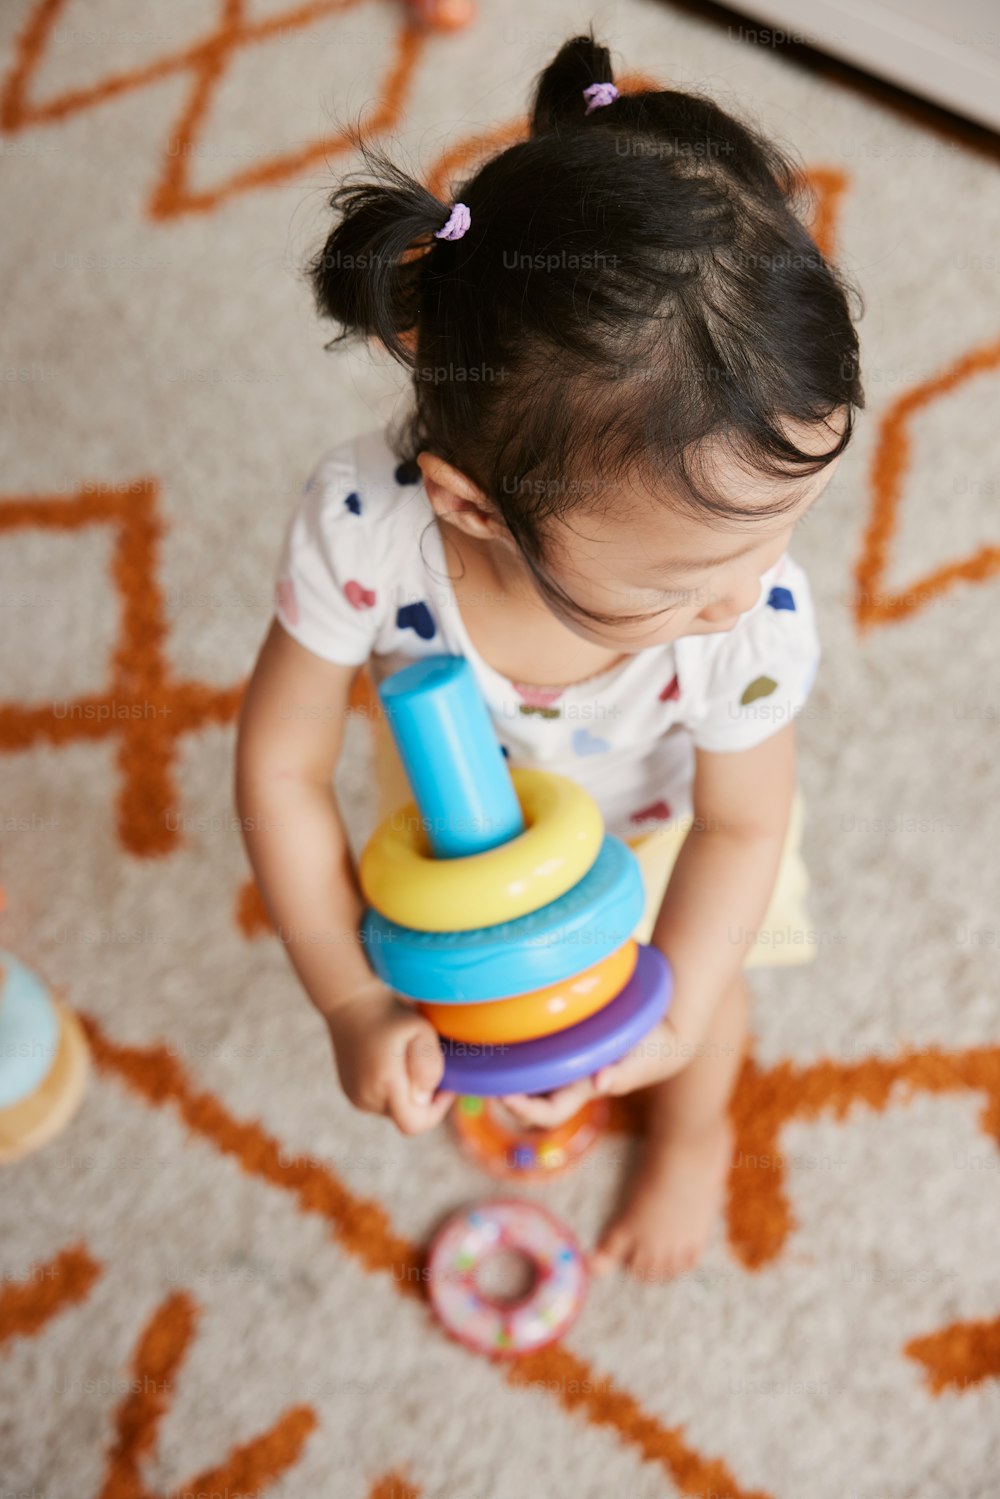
{"type": "Point", "coordinates": [497, 901]}
{"type": "Point", "coordinates": [43, 1061]}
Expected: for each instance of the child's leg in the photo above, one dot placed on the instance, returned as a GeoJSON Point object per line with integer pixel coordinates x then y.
{"type": "Point", "coordinates": [675, 1196]}
{"type": "Point", "coordinates": [677, 1191]}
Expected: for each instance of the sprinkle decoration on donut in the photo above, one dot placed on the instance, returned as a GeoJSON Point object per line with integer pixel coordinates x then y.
{"type": "Point", "coordinates": [500, 1327]}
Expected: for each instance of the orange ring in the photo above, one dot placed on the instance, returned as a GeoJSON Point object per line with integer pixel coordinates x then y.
{"type": "Point", "coordinates": [539, 1012]}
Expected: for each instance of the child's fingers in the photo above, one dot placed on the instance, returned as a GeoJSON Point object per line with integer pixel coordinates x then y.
{"type": "Point", "coordinates": [631, 1073]}
{"type": "Point", "coordinates": [612, 1080]}
{"type": "Point", "coordinates": [546, 1113]}
{"type": "Point", "coordinates": [522, 1107]}
{"type": "Point", "coordinates": [410, 1115]}
{"type": "Point", "coordinates": [656, 1057]}
{"type": "Point", "coordinates": [555, 1111]}
{"type": "Point", "coordinates": [438, 1107]}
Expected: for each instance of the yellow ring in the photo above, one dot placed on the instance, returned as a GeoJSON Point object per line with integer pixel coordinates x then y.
{"type": "Point", "coordinates": [403, 880]}
{"type": "Point", "coordinates": [539, 1012]}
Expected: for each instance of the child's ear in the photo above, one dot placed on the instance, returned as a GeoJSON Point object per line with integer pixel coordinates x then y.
{"type": "Point", "coordinates": [457, 499]}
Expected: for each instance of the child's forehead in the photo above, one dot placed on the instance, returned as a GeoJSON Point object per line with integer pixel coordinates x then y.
{"type": "Point", "coordinates": [723, 468]}
{"type": "Point", "coordinates": [646, 529]}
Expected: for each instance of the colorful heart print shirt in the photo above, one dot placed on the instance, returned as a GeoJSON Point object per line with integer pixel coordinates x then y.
{"type": "Point", "coordinates": [362, 577]}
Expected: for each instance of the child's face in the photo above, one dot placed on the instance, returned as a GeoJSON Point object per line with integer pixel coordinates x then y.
{"type": "Point", "coordinates": [686, 574]}
{"type": "Point", "coordinates": [688, 577]}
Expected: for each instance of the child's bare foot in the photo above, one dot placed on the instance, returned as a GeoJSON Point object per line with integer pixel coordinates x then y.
{"type": "Point", "coordinates": [673, 1202]}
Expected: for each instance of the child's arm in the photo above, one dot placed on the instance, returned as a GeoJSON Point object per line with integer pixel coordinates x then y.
{"type": "Point", "coordinates": [722, 881]}
{"type": "Point", "coordinates": [289, 740]}
{"type": "Point", "coordinates": [719, 891]}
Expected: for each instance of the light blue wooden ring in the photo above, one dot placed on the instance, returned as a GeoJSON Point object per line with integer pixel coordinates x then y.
{"type": "Point", "coordinates": [555, 942]}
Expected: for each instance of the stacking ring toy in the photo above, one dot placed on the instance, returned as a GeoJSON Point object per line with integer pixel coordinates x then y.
{"type": "Point", "coordinates": [552, 984]}
{"type": "Point", "coordinates": [540, 1011]}
{"type": "Point", "coordinates": [406, 883]}
{"type": "Point", "coordinates": [553, 1061]}
{"type": "Point", "coordinates": [518, 1152]}
{"type": "Point", "coordinates": [490, 1325]}
{"type": "Point", "coordinates": [494, 962]}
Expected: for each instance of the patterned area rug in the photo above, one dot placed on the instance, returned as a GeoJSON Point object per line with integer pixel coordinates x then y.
{"type": "Point", "coordinates": [212, 1280]}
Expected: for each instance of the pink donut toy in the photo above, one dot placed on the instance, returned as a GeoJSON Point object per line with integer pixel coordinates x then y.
{"type": "Point", "coordinates": [500, 1327]}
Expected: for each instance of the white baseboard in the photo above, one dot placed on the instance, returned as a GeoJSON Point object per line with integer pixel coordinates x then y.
{"type": "Point", "coordinates": [947, 51]}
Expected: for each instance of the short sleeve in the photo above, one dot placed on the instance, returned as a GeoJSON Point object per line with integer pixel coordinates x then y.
{"type": "Point", "coordinates": [326, 593]}
{"type": "Point", "coordinates": [761, 675]}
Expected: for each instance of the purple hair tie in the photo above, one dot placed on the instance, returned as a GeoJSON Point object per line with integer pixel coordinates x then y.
{"type": "Point", "coordinates": [458, 221]}
{"type": "Point", "coordinates": [599, 94]}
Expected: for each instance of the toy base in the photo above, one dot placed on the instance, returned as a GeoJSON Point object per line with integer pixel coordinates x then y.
{"type": "Point", "coordinates": [34, 1121]}
{"type": "Point", "coordinates": [511, 1152]}
{"type": "Point", "coordinates": [442, 15]}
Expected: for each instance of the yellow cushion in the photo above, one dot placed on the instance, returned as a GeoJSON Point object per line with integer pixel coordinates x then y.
{"type": "Point", "coordinates": [785, 934]}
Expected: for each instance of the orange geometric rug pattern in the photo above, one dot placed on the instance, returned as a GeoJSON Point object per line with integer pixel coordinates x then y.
{"type": "Point", "coordinates": [890, 465]}
{"type": "Point", "coordinates": [207, 61]}
{"type": "Point", "coordinates": [759, 1218]}
{"type": "Point", "coordinates": [46, 1291]}
{"type": "Point", "coordinates": [958, 1356]}
{"type": "Point", "coordinates": [361, 1228]}
{"type": "Point", "coordinates": [66, 1281]}
{"type": "Point", "coordinates": [250, 1468]}
{"type": "Point", "coordinates": [145, 710]}
{"type": "Point", "coordinates": [393, 1486]}
{"type": "Point", "coordinates": [964, 1354]}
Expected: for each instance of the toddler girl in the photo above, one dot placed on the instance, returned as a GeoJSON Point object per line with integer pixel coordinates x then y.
{"type": "Point", "coordinates": [633, 374]}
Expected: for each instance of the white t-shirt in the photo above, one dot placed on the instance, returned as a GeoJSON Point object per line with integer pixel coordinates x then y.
{"type": "Point", "coordinates": [362, 577]}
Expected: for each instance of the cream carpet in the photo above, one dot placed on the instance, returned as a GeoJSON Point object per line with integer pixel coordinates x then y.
{"type": "Point", "coordinates": [211, 1280]}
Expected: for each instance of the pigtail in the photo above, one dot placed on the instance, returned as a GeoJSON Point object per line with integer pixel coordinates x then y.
{"type": "Point", "coordinates": [559, 101]}
{"type": "Point", "coordinates": [369, 273]}
{"type": "Point", "coordinates": [665, 122]}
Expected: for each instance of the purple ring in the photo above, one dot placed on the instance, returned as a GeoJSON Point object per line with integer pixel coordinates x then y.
{"type": "Point", "coordinates": [490, 1070]}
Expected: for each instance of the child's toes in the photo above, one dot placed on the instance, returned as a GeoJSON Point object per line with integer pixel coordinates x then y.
{"type": "Point", "coordinates": [642, 1268]}
{"type": "Point", "coordinates": [655, 1265]}
{"type": "Point", "coordinates": [612, 1252]}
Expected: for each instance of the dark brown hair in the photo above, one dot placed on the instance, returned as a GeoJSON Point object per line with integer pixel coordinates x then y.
{"type": "Point", "coordinates": [636, 285]}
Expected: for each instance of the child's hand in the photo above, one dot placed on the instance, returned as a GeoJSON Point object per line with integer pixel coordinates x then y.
{"type": "Point", "coordinates": [389, 1060]}
{"type": "Point", "coordinates": [657, 1056]}
{"type": "Point", "coordinates": [547, 1110]}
